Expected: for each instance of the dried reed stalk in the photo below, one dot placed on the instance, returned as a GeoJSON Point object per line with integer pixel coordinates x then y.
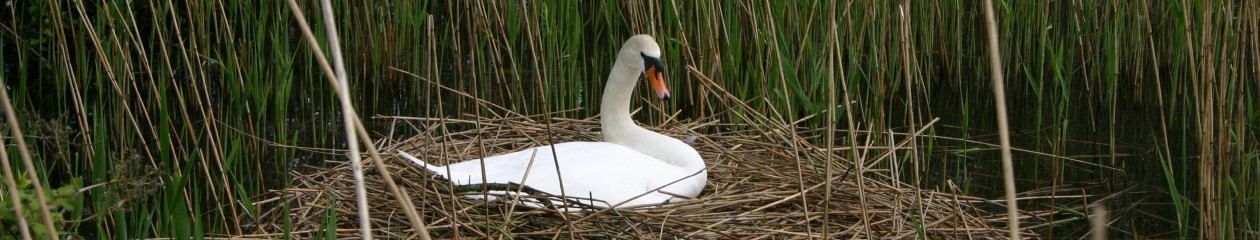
{"type": "Point", "coordinates": [1004, 135]}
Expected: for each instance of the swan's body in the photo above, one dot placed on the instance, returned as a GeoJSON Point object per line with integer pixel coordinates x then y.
{"type": "Point", "coordinates": [630, 162]}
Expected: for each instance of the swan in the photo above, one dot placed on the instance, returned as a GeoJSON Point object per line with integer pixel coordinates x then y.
{"type": "Point", "coordinates": [625, 170]}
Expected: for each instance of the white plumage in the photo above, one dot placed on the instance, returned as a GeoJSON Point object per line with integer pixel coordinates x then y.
{"type": "Point", "coordinates": [630, 162]}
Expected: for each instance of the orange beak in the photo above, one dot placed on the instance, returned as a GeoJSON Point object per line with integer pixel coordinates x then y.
{"type": "Point", "coordinates": [657, 80]}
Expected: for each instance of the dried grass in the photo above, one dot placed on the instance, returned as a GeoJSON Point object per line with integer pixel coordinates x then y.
{"type": "Point", "coordinates": [751, 194]}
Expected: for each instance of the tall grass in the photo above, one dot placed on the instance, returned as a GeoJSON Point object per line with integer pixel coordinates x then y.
{"type": "Point", "coordinates": [178, 117]}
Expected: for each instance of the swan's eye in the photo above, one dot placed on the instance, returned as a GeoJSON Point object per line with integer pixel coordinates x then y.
{"type": "Point", "coordinates": [650, 62]}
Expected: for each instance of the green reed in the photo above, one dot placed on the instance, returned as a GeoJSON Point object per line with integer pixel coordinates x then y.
{"type": "Point", "coordinates": [188, 113]}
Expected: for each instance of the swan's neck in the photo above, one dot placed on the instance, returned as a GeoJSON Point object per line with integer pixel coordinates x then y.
{"type": "Point", "coordinates": [620, 129]}
{"type": "Point", "coordinates": [615, 107]}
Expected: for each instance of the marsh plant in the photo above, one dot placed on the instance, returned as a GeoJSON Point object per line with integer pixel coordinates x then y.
{"type": "Point", "coordinates": [181, 119]}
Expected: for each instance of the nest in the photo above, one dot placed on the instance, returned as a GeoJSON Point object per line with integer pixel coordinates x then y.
{"type": "Point", "coordinates": [762, 185]}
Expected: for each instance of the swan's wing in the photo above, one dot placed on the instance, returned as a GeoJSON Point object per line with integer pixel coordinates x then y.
{"type": "Point", "coordinates": [426, 165]}
{"type": "Point", "coordinates": [601, 170]}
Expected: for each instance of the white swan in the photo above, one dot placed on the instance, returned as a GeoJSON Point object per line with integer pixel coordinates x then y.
{"type": "Point", "coordinates": [630, 162]}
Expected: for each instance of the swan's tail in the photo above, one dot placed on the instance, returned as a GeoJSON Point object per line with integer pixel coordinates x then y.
{"type": "Point", "coordinates": [417, 161]}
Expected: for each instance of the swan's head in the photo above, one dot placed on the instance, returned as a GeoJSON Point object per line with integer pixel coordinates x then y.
{"type": "Point", "coordinates": [653, 68]}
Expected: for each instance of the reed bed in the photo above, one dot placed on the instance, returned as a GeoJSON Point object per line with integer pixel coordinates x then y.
{"type": "Point", "coordinates": [767, 179]}
{"type": "Point", "coordinates": [751, 194]}
{"type": "Point", "coordinates": [181, 119]}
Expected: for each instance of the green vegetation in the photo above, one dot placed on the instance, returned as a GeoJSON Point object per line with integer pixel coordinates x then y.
{"type": "Point", "coordinates": [175, 119]}
{"type": "Point", "coordinates": [62, 200]}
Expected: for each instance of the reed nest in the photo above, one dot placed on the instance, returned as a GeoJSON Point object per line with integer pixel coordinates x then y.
{"type": "Point", "coordinates": [754, 192]}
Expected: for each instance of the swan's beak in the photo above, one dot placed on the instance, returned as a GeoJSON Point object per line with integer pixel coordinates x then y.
{"type": "Point", "coordinates": [657, 79]}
